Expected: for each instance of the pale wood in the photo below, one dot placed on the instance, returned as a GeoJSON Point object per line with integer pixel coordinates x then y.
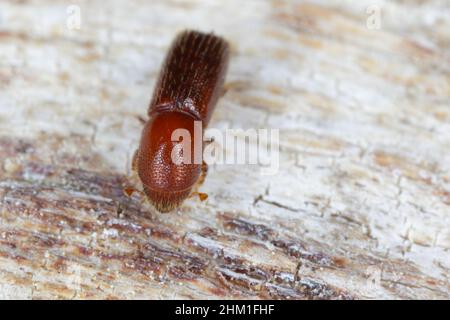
{"type": "Point", "coordinates": [359, 209]}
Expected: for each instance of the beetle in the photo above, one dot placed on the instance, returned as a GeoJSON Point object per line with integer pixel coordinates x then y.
{"type": "Point", "coordinates": [189, 86]}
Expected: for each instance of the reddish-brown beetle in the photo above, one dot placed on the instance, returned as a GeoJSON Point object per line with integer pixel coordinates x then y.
{"type": "Point", "coordinates": [188, 88]}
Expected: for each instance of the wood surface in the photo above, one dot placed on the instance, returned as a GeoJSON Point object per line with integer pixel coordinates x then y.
{"type": "Point", "coordinates": [360, 206]}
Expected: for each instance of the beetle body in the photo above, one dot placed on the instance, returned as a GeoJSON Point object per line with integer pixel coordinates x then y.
{"type": "Point", "coordinates": [187, 90]}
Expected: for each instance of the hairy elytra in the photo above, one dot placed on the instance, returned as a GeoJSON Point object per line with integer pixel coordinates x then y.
{"type": "Point", "coordinates": [189, 85]}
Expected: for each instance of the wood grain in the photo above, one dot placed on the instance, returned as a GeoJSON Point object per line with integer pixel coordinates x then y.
{"type": "Point", "coordinates": [359, 208]}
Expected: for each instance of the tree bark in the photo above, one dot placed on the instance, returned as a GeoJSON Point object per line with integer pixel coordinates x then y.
{"type": "Point", "coordinates": [358, 209]}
